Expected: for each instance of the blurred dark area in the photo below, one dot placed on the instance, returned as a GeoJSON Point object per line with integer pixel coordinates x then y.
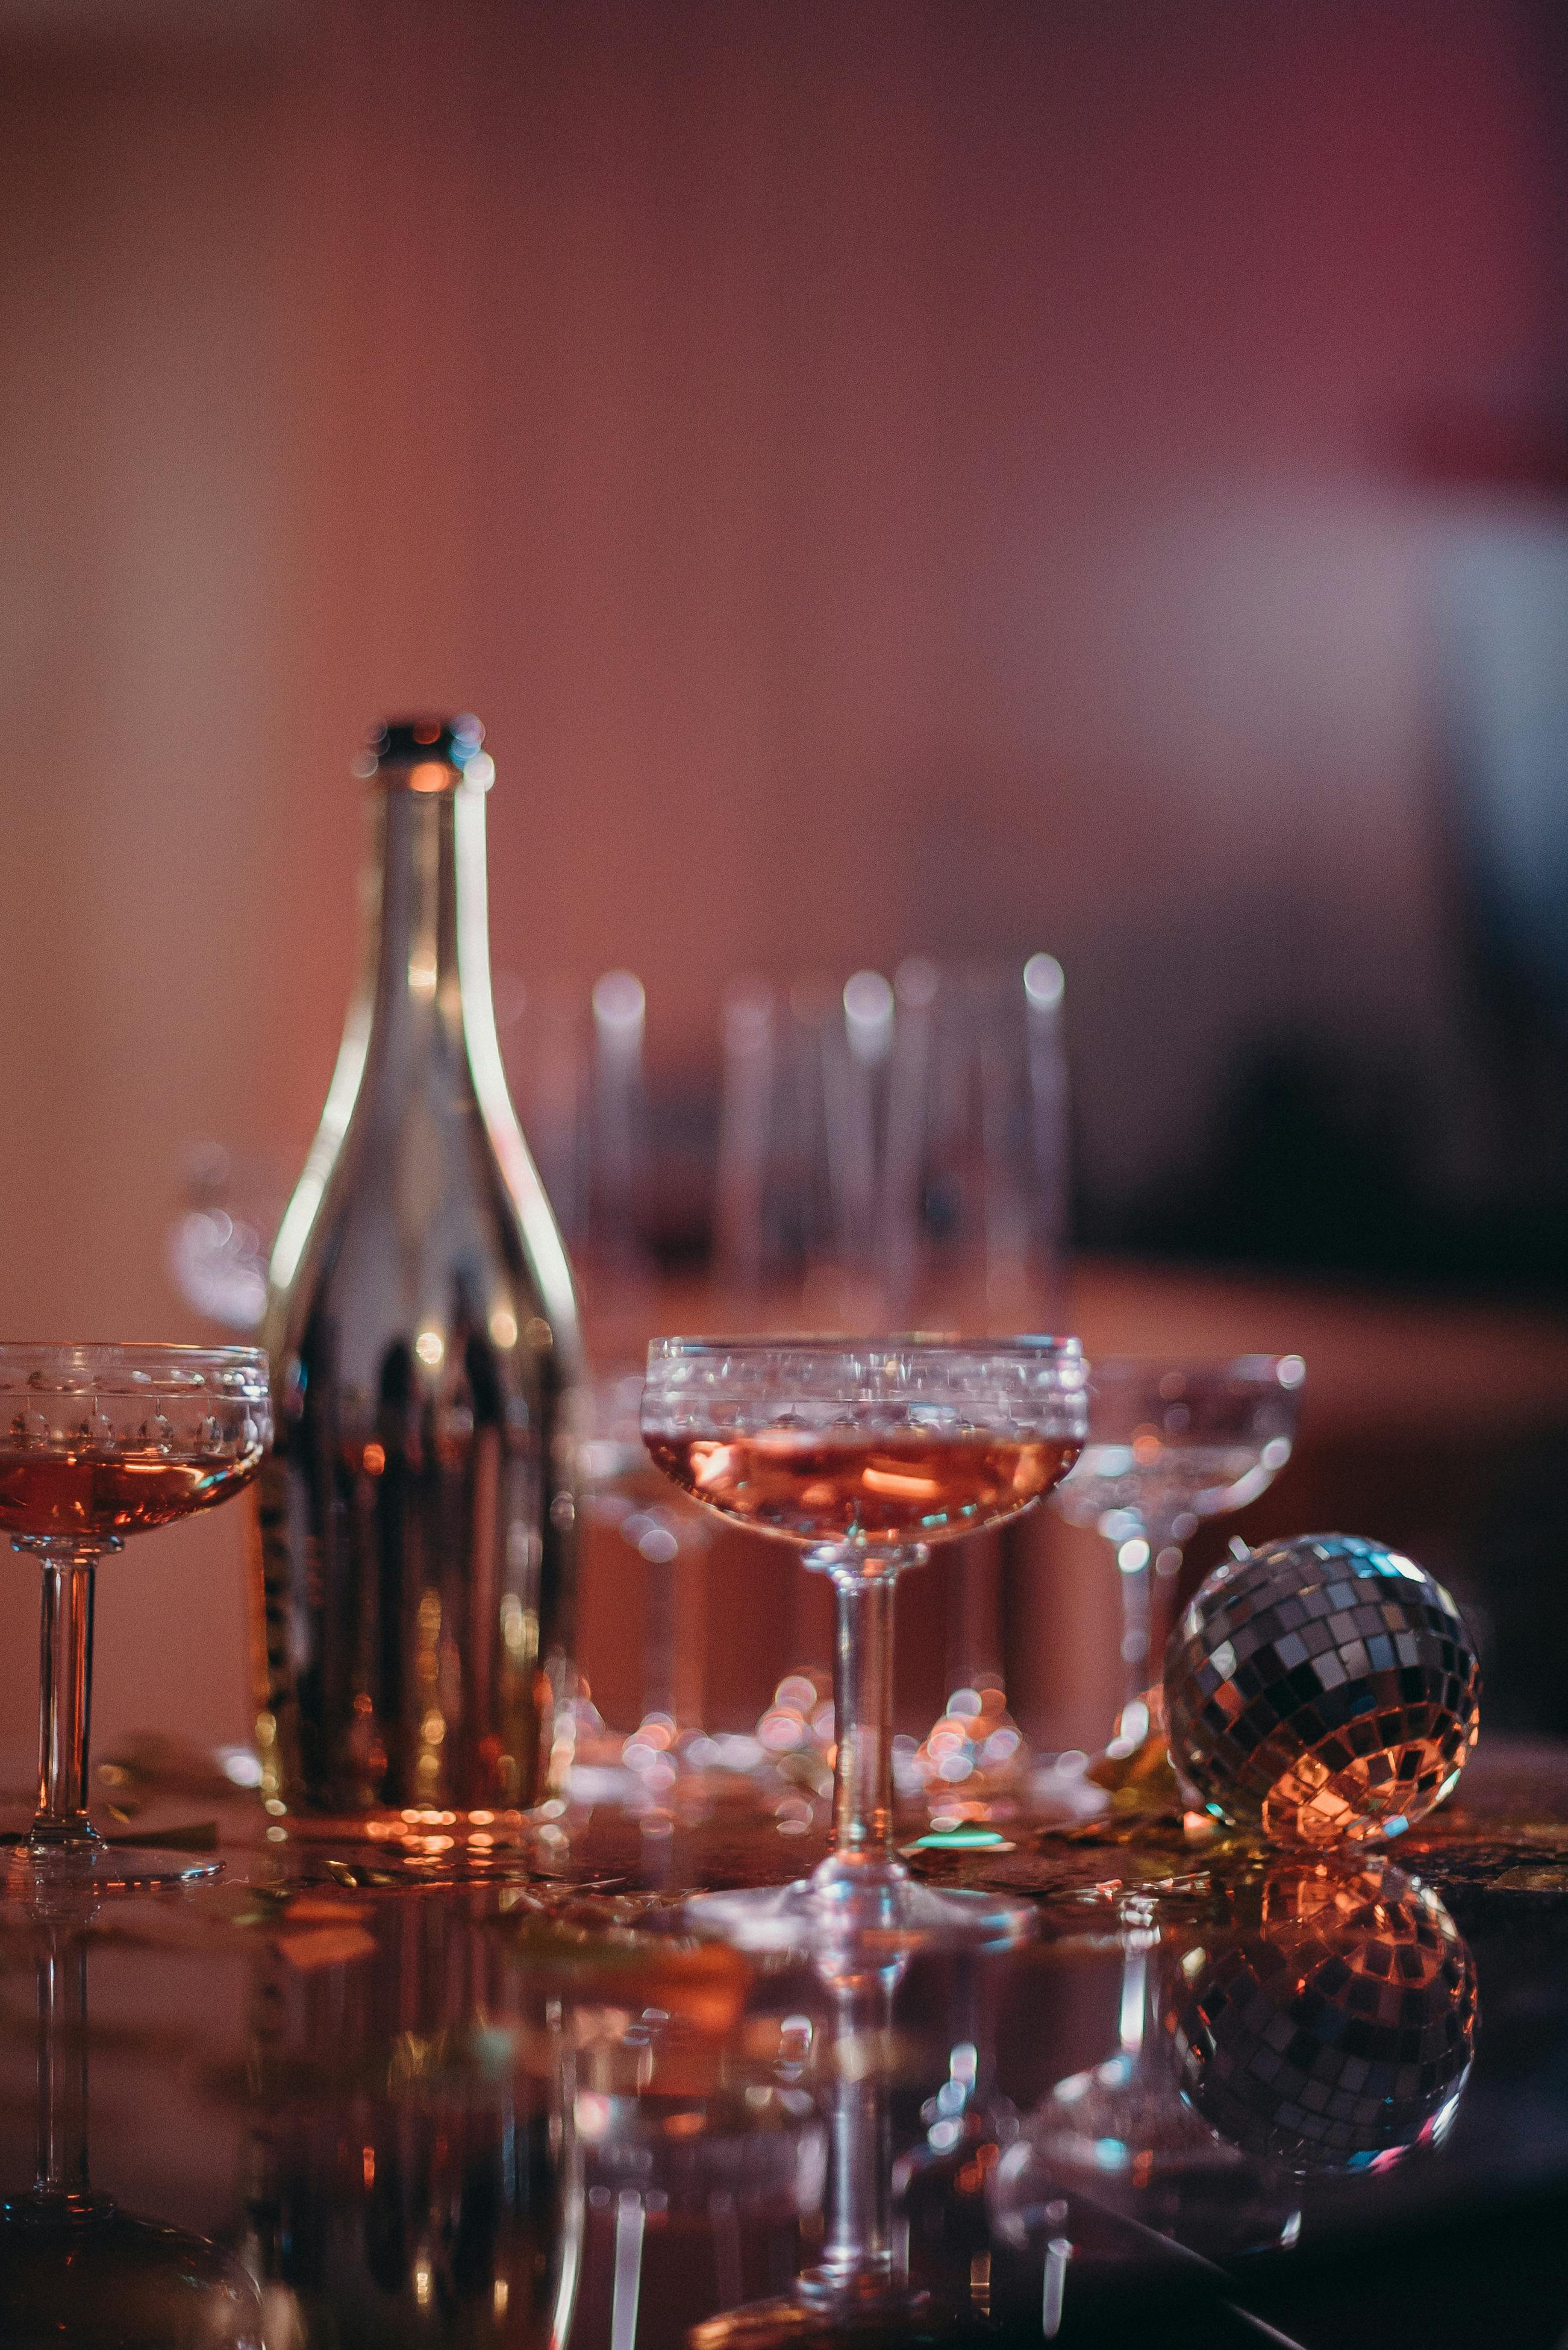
{"type": "Point", "coordinates": [1319, 1164]}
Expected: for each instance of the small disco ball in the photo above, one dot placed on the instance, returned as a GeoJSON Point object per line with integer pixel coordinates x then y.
{"type": "Point", "coordinates": [1334, 2031]}
{"type": "Point", "coordinates": [1324, 1690]}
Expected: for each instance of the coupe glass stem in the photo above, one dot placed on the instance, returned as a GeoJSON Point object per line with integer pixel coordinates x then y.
{"type": "Point", "coordinates": [65, 1693]}
{"type": "Point", "coordinates": [63, 2071]}
{"type": "Point", "coordinates": [857, 2240]}
{"type": "Point", "coordinates": [674, 1634]}
{"type": "Point", "coordinates": [659, 1694]}
{"type": "Point", "coordinates": [980, 1643]}
{"type": "Point", "coordinates": [863, 1705]}
{"type": "Point", "coordinates": [1165, 1569]}
{"type": "Point", "coordinates": [1147, 1597]}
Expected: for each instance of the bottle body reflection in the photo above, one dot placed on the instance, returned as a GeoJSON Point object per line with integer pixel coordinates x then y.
{"type": "Point", "coordinates": [525, 2128]}
{"type": "Point", "coordinates": [411, 2176]}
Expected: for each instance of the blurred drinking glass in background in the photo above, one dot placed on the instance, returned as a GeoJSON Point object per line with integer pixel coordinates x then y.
{"type": "Point", "coordinates": [975, 1175]}
{"type": "Point", "coordinates": [797, 1238]}
{"type": "Point", "coordinates": [974, 1229]}
{"type": "Point", "coordinates": [581, 1081]}
{"type": "Point", "coordinates": [575, 1057]}
{"type": "Point", "coordinates": [634, 1524]}
{"type": "Point", "coordinates": [1170, 1444]}
{"type": "Point", "coordinates": [216, 1250]}
{"type": "Point", "coordinates": [800, 1120]}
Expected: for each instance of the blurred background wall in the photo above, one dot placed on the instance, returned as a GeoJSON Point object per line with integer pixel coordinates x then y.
{"type": "Point", "coordinates": [965, 478]}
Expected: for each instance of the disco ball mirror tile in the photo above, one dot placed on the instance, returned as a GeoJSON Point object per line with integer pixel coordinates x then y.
{"type": "Point", "coordinates": [1323, 1690]}
{"type": "Point", "coordinates": [1336, 2034]}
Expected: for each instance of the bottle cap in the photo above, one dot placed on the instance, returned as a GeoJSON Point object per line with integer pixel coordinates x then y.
{"type": "Point", "coordinates": [434, 743]}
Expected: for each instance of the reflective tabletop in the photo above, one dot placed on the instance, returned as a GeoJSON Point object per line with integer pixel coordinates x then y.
{"type": "Point", "coordinates": [1221, 2097]}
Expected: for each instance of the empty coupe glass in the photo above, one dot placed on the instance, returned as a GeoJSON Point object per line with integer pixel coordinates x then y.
{"type": "Point", "coordinates": [1172, 1443]}
{"type": "Point", "coordinates": [866, 1453]}
{"type": "Point", "coordinates": [97, 1442]}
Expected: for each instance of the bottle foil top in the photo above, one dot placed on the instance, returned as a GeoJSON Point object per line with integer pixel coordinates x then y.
{"type": "Point", "coordinates": [409, 744]}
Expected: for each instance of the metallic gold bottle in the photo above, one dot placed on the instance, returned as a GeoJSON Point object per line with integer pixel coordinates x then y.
{"type": "Point", "coordinates": [416, 1521]}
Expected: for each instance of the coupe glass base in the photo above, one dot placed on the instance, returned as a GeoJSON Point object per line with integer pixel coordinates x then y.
{"type": "Point", "coordinates": [31, 1873]}
{"type": "Point", "coordinates": [893, 1915]}
{"type": "Point", "coordinates": [801, 2317]}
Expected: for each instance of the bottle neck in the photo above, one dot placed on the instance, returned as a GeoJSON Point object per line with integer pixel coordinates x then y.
{"type": "Point", "coordinates": [416, 1001]}
{"type": "Point", "coordinates": [423, 1022]}
{"type": "Point", "coordinates": [417, 992]}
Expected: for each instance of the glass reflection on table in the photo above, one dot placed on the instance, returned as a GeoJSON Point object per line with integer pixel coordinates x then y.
{"type": "Point", "coordinates": [1122, 2136]}
{"type": "Point", "coordinates": [76, 2271]}
{"type": "Point", "coordinates": [1319, 2026]}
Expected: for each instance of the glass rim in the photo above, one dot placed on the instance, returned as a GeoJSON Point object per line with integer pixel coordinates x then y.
{"type": "Point", "coordinates": [67, 1366]}
{"type": "Point", "coordinates": [908, 1342]}
{"type": "Point", "coordinates": [1261, 1367]}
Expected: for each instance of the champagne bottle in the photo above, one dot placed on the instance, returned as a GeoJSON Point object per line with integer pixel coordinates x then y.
{"type": "Point", "coordinates": [416, 1519]}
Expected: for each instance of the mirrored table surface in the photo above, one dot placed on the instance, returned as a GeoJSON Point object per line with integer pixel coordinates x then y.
{"type": "Point", "coordinates": [339, 2099]}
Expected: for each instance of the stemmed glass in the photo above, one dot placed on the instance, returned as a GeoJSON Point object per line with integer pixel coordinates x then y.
{"type": "Point", "coordinates": [577, 1065]}
{"type": "Point", "coordinates": [97, 1442]}
{"type": "Point", "coordinates": [867, 1454]}
{"type": "Point", "coordinates": [796, 1197]}
{"type": "Point", "coordinates": [1172, 1443]}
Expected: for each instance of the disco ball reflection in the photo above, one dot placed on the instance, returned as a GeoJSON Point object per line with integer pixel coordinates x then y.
{"type": "Point", "coordinates": [1323, 1690]}
{"type": "Point", "coordinates": [1337, 2033]}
